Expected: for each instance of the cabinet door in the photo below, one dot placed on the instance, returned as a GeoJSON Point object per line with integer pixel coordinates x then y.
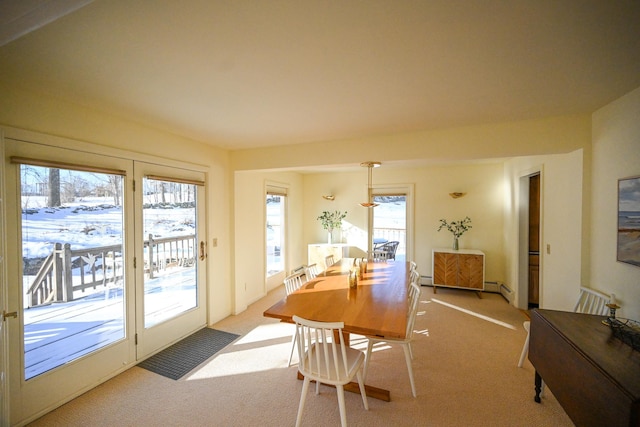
{"type": "Point", "coordinates": [471, 271]}
{"type": "Point", "coordinates": [445, 269]}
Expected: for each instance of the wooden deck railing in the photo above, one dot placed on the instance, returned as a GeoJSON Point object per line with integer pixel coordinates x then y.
{"type": "Point", "coordinates": [66, 272]}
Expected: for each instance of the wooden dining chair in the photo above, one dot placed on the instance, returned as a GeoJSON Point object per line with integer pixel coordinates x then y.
{"type": "Point", "coordinates": [415, 277]}
{"type": "Point", "coordinates": [414, 299]}
{"type": "Point", "coordinates": [329, 261]}
{"type": "Point", "coordinates": [326, 361]}
{"type": "Point", "coordinates": [292, 283]}
{"type": "Point", "coordinates": [311, 271]}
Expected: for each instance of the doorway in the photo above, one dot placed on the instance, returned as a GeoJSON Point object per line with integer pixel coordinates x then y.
{"type": "Point", "coordinates": [392, 219]}
{"type": "Point", "coordinates": [530, 237]}
{"type": "Point", "coordinates": [533, 285]}
{"type": "Point", "coordinates": [390, 222]}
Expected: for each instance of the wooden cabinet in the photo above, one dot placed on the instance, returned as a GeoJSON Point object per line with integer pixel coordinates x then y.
{"type": "Point", "coordinates": [458, 269]}
{"type": "Point", "coordinates": [317, 252]}
{"type": "Point", "coordinates": [594, 376]}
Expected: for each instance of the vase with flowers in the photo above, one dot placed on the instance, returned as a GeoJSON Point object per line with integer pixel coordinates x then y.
{"type": "Point", "coordinates": [457, 228]}
{"type": "Point", "coordinates": [331, 221]}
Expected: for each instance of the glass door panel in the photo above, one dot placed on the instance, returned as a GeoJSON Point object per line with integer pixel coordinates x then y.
{"type": "Point", "coordinates": [170, 249]}
{"type": "Point", "coordinates": [390, 222]}
{"type": "Point", "coordinates": [72, 278]}
{"type": "Point", "coordinates": [171, 255]}
{"type": "Point", "coordinates": [68, 279]}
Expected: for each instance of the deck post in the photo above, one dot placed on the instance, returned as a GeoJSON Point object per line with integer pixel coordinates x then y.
{"type": "Point", "coordinates": [57, 272]}
{"type": "Point", "coordinates": [150, 256]}
{"type": "Point", "coordinates": [68, 274]}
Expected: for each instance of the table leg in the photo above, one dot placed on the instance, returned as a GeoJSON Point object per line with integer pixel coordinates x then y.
{"type": "Point", "coordinates": [345, 335]}
{"type": "Point", "coordinates": [538, 386]}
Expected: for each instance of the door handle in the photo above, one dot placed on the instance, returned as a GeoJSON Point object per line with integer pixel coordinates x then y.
{"type": "Point", "coordinates": [13, 314]}
{"type": "Point", "coordinates": [203, 255]}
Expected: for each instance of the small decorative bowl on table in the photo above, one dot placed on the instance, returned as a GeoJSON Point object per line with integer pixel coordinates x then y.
{"type": "Point", "coordinates": [626, 330]}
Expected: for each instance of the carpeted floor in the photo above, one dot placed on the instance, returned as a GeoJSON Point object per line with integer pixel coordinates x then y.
{"type": "Point", "coordinates": [181, 358]}
{"type": "Point", "coordinates": [466, 351]}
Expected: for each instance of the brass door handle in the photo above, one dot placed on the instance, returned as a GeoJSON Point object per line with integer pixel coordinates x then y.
{"type": "Point", "coordinates": [13, 314]}
{"type": "Point", "coordinates": [203, 255]}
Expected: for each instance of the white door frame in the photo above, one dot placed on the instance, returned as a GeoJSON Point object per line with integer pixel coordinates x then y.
{"type": "Point", "coordinates": [408, 189]}
{"type": "Point", "coordinates": [522, 301]}
{"type": "Point", "coordinates": [115, 358]}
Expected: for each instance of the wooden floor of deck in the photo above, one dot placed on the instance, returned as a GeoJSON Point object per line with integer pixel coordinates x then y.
{"type": "Point", "coordinates": [58, 333]}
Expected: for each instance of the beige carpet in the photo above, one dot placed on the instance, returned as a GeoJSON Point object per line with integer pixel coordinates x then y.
{"type": "Point", "coordinates": [466, 350]}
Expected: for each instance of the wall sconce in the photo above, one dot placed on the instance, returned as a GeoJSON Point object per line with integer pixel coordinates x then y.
{"type": "Point", "coordinates": [329, 197]}
{"type": "Point", "coordinates": [457, 195]}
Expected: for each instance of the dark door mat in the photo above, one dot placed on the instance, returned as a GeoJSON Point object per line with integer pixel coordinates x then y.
{"type": "Point", "coordinates": [176, 361]}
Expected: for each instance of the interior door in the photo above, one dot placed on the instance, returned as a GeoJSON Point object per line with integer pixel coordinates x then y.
{"type": "Point", "coordinates": [170, 256]}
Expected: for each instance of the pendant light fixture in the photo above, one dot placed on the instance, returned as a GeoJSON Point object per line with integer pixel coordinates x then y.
{"type": "Point", "coordinates": [369, 165]}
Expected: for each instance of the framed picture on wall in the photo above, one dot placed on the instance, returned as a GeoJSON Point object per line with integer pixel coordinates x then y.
{"type": "Point", "coordinates": [629, 220]}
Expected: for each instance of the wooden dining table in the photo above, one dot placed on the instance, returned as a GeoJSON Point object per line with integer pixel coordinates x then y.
{"type": "Point", "coordinates": [377, 306]}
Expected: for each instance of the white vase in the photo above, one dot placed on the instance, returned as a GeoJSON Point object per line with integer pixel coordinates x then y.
{"type": "Point", "coordinates": [329, 236]}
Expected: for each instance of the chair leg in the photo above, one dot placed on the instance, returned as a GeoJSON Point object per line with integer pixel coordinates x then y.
{"type": "Point", "coordinates": [294, 340]}
{"type": "Point", "coordinates": [367, 358]}
{"type": "Point", "coordinates": [303, 396]}
{"type": "Point", "coordinates": [341, 405]}
{"type": "Point", "coordinates": [407, 356]}
{"type": "Point", "coordinates": [525, 347]}
{"type": "Point", "coordinates": [363, 391]}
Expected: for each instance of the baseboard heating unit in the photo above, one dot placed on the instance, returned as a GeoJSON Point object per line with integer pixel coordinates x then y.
{"type": "Point", "coordinates": [506, 292]}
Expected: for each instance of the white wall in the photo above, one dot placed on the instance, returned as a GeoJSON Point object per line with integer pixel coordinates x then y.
{"type": "Point", "coordinates": [561, 227]}
{"type": "Point", "coordinates": [616, 154]}
{"type": "Point", "coordinates": [249, 284]}
{"type": "Point", "coordinates": [483, 183]}
{"type": "Point", "coordinates": [25, 110]}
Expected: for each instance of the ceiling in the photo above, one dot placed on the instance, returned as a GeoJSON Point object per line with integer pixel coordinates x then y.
{"type": "Point", "coordinates": [244, 74]}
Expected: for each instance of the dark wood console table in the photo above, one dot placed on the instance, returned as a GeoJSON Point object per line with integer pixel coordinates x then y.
{"type": "Point", "coordinates": [594, 376]}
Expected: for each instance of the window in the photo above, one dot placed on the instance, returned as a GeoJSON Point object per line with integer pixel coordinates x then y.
{"type": "Point", "coordinates": [275, 229]}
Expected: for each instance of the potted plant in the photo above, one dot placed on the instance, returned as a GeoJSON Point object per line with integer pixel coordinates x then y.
{"type": "Point", "coordinates": [331, 220]}
{"type": "Point", "coordinates": [457, 228]}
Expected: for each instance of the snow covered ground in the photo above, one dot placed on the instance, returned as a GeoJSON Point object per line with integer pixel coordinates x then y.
{"type": "Point", "coordinates": [92, 222]}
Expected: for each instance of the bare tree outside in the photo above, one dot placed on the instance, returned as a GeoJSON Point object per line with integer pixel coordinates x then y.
{"type": "Point", "coordinates": [54, 188]}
